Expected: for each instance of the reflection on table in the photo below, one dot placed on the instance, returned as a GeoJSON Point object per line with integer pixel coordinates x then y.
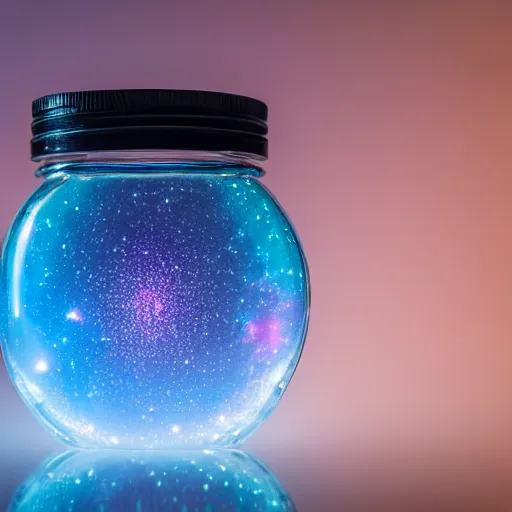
{"type": "Point", "coordinates": [103, 481]}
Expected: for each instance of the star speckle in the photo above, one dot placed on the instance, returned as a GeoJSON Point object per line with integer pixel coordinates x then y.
{"type": "Point", "coordinates": [74, 316]}
{"type": "Point", "coordinates": [41, 366]}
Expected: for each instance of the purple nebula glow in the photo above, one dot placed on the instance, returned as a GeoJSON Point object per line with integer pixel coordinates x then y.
{"type": "Point", "coordinates": [149, 306]}
{"type": "Point", "coordinates": [266, 333]}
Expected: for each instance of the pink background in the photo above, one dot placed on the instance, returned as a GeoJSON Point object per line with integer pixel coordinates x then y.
{"type": "Point", "coordinates": [390, 148]}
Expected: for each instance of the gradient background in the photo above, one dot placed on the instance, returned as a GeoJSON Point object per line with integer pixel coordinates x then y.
{"type": "Point", "coordinates": [390, 148]}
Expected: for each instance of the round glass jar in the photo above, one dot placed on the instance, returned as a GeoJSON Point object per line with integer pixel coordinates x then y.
{"type": "Point", "coordinates": [155, 293]}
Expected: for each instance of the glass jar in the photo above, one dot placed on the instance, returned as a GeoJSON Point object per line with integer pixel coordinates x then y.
{"type": "Point", "coordinates": [155, 293]}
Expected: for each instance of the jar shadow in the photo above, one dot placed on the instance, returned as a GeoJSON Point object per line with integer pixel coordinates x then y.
{"type": "Point", "coordinates": [185, 481]}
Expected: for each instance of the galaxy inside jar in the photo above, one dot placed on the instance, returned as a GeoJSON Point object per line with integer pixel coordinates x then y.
{"type": "Point", "coordinates": [154, 292]}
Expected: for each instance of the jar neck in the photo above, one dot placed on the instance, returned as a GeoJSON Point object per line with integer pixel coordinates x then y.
{"type": "Point", "coordinates": [168, 161]}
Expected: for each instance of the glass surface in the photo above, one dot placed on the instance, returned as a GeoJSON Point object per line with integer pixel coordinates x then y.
{"type": "Point", "coordinates": [102, 481]}
{"type": "Point", "coordinates": [152, 305]}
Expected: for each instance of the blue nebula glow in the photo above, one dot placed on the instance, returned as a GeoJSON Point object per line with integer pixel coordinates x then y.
{"type": "Point", "coordinates": [149, 307]}
{"type": "Point", "coordinates": [211, 481]}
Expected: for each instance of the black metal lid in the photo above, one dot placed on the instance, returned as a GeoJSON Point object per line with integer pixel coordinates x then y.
{"type": "Point", "coordinates": [148, 119]}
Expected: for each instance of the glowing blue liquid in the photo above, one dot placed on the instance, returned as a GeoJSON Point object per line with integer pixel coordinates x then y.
{"type": "Point", "coordinates": [149, 306]}
{"type": "Point", "coordinates": [151, 481]}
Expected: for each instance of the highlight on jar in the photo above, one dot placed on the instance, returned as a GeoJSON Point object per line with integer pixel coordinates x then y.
{"type": "Point", "coordinates": [155, 294]}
